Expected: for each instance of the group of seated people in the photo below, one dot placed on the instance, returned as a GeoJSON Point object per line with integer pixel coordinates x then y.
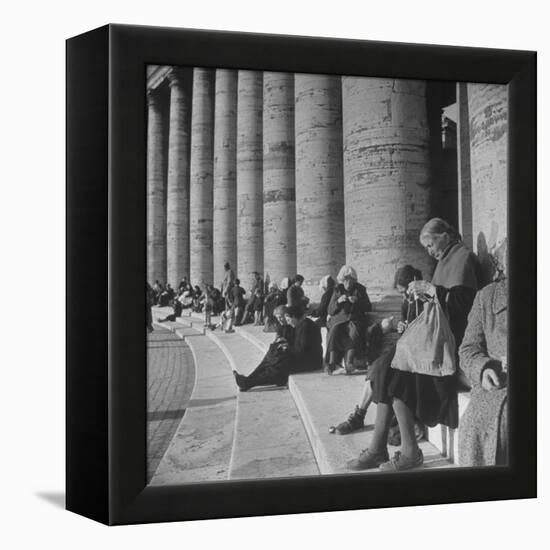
{"type": "Point", "coordinates": [477, 320]}
{"type": "Point", "coordinates": [411, 400]}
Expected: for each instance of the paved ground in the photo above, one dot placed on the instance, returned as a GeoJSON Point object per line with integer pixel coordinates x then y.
{"type": "Point", "coordinates": [170, 381]}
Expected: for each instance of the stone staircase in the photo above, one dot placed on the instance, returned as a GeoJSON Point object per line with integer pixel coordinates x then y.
{"type": "Point", "coordinates": [267, 432]}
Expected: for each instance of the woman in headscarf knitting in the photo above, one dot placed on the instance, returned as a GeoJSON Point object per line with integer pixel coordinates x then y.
{"type": "Point", "coordinates": [348, 321]}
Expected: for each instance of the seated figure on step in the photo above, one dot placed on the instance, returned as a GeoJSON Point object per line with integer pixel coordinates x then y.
{"type": "Point", "coordinates": [297, 348]}
{"type": "Point", "coordinates": [347, 323]}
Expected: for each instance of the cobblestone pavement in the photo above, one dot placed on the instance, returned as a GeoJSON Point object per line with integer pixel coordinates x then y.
{"type": "Point", "coordinates": [170, 380]}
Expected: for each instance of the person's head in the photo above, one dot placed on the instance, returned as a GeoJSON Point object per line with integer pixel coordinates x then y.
{"type": "Point", "coordinates": [237, 282]}
{"type": "Point", "coordinates": [285, 283]}
{"type": "Point", "coordinates": [326, 282]}
{"type": "Point", "coordinates": [272, 287]}
{"type": "Point", "coordinates": [437, 235]}
{"type": "Point", "coordinates": [197, 288]}
{"type": "Point", "coordinates": [347, 276]}
{"type": "Point", "coordinates": [226, 266]}
{"type": "Point", "coordinates": [279, 314]}
{"type": "Point", "coordinates": [298, 280]}
{"type": "Point", "coordinates": [405, 275]}
{"type": "Point", "coordinates": [293, 314]}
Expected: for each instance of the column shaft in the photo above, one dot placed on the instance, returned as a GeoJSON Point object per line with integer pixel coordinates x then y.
{"type": "Point", "coordinates": [156, 194]}
{"type": "Point", "coordinates": [250, 255]}
{"type": "Point", "coordinates": [320, 231]}
{"type": "Point", "coordinates": [177, 210]}
{"type": "Point", "coordinates": [463, 163]}
{"type": "Point", "coordinates": [278, 176]}
{"type": "Point", "coordinates": [201, 177]}
{"type": "Point", "coordinates": [225, 150]}
{"type": "Point", "coordinates": [488, 112]}
{"type": "Point", "coordinates": [386, 176]}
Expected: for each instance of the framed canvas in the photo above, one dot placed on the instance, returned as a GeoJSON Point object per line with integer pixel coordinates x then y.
{"type": "Point", "coordinates": [283, 156]}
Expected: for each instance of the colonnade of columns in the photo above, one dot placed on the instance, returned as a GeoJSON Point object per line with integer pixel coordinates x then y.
{"type": "Point", "coordinates": [286, 173]}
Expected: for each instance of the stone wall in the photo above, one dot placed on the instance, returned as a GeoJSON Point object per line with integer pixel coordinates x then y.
{"type": "Point", "coordinates": [488, 138]}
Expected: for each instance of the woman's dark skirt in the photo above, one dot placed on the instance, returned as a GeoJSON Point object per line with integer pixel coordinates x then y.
{"type": "Point", "coordinates": [344, 337]}
{"type": "Point", "coordinates": [432, 399]}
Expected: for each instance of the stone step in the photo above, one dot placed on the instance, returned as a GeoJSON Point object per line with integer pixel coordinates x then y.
{"type": "Point", "coordinates": [256, 336]}
{"type": "Point", "coordinates": [325, 401]}
{"type": "Point", "coordinates": [270, 440]}
{"type": "Point", "coordinates": [202, 445]}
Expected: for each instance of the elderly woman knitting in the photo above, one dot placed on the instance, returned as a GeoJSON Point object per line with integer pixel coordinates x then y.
{"type": "Point", "coordinates": [348, 321]}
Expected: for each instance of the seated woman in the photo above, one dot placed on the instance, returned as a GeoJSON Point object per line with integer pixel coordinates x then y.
{"type": "Point", "coordinates": [320, 311]}
{"type": "Point", "coordinates": [273, 299]}
{"type": "Point", "coordinates": [483, 433]}
{"type": "Point", "coordinates": [177, 308]}
{"type": "Point", "coordinates": [297, 349]}
{"type": "Point", "coordinates": [295, 295]}
{"type": "Point", "coordinates": [348, 321]}
{"type": "Point", "coordinates": [306, 350]}
{"type": "Point", "coordinates": [376, 375]}
{"type": "Point", "coordinates": [430, 399]}
{"type": "Point", "coordinates": [273, 367]}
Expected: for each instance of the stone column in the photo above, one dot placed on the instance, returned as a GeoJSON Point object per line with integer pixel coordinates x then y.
{"type": "Point", "coordinates": [488, 112]}
{"type": "Point", "coordinates": [320, 231]}
{"type": "Point", "coordinates": [250, 243]}
{"type": "Point", "coordinates": [156, 194]}
{"type": "Point", "coordinates": [278, 177]}
{"type": "Point", "coordinates": [201, 177]}
{"type": "Point", "coordinates": [177, 209]}
{"type": "Point", "coordinates": [463, 163]}
{"type": "Point", "coordinates": [225, 172]}
{"type": "Point", "coordinates": [386, 177]}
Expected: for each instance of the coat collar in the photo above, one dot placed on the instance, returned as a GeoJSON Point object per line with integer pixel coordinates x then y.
{"type": "Point", "coordinates": [500, 297]}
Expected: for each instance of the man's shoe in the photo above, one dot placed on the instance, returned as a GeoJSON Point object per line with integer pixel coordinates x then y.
{"type": "Point", "coordinates": [354, 422]}
{"type": "Point", "coordinates": [367, 460]}
{"type": "Point", "coordinates": [400, 462]}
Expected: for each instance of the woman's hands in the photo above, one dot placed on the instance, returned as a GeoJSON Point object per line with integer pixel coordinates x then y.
{"type": "Point", "coordinates": [493, 376]}
{"type": "Point", "coordinates": [490, 380]}
{"type": "Point", "coordinates": [344, 298]}
{"type": "Point", "coordinates": [401, 326]}
{"type": "Point", "coordinates": [422, 290]}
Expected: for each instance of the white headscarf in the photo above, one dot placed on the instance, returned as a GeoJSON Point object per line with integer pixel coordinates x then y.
{"type": "Point", "coordinates": [285, 283]}
{"type": "Point", "coordinates": [346, 271]}
{"type": "Point", "coordinates": [323, 284]}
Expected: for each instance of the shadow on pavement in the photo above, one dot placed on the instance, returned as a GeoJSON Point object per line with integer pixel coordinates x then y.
{"type": "Point", "coordinates": [57, 499]}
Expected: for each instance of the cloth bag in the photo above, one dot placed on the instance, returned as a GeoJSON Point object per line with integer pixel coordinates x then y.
{"type": "Point", "coordinates": [427, 346]}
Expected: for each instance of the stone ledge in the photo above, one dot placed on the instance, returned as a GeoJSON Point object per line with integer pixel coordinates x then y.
{"type": "Point", "coordinates": [324, 401]}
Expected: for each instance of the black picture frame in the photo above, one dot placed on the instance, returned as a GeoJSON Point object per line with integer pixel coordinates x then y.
{"type": "Point", "coordinates": [106, 265]}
